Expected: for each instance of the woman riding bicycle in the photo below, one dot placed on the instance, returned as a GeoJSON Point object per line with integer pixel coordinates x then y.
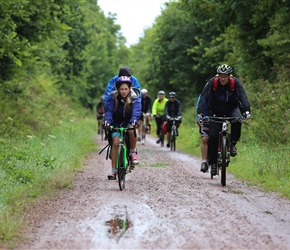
{"type": "Point", "coordinates": [172, 110]}
{"type": "Point", "coordinates": [158, 112]}
{"type": "Point", "coordinates": [123, 108]}
{"type": "Point", "coordinates": [223, 101]}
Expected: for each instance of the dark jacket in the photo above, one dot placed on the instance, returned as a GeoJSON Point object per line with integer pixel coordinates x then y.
{"type": "Point", "coordinates": [121, 117]}
{"type": "Point", "coordinates": [173, 109]}
{"type": "Point", "coordinates": [100, 108]}
{"type": "Point", "coordinates": [146, 104]}
{"type": "Point", "coordinates": [222, 100]}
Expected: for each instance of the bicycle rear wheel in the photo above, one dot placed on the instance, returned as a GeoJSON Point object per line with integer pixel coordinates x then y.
{"type": "Point", "coordinates": [224, 160]}
{"type": "Point", "coordinates": [121, 169]}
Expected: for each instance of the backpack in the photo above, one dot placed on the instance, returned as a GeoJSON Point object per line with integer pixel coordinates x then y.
{"type": "Point", "coordinates": [215, 86]}
{"type": "Point", "coordinates": [216, 83]}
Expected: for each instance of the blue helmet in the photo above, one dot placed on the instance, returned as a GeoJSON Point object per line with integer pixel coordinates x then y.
{"type": "Point", "coordinates": [123, 79]}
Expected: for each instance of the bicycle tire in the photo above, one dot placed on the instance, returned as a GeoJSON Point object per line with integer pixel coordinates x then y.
{"type": "Point", "coordinates": [161, 139]}
{"type": "Point", "coordinates": [143, 136]}
{"type": "Point", "coordinates": [173, 141]}
{"type": "Point", "coordinates": [102, 132]}
{"type": "Point", "coordinates": [224, 160]}
{"type": "Point", "coordinates": [121, 171]}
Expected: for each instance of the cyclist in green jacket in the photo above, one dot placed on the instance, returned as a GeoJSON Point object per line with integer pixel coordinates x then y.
{"type": "Point", "coordinates": [158, 112]}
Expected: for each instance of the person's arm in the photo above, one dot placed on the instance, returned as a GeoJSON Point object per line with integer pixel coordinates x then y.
{"type": "Point", "coordinates": [136, 110]}
{"type": "Point", "coordinates": [154, 107]}
{"type": "Point", "coordinates": [179, 112]}
{"type": "Point", "coordinates": [204, 97]}
{"type": "Point", "coordinates": [110, 87]}
{"type": "Point", "coordinates": [242, 96]}
{"type": "Point", "coordinates": [109, 107]}
{"type": "Point", "coordinates": [166, 109]}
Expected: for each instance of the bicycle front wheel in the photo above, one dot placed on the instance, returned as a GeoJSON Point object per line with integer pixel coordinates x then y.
{"type": "Point", "coordinates": [102, 132]}
{"type": "Point", "coordinates": [161, 139]}
{"type": "Point", "coordinates": [121, 168]}
{"type": "Point", "coordinates": [173, 141]}
{"type": "Point", "coordinates": [224, 160]}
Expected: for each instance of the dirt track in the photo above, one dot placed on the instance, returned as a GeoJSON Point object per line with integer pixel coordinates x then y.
{"type": "Point", "coordinates": [167, 204]}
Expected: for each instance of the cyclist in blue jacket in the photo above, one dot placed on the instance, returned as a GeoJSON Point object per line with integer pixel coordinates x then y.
{"type": "Point", "coordinates": [123, 109]}
{"type": "Point", "coordinates": [124, 71]}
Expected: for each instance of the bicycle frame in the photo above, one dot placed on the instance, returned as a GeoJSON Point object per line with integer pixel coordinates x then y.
{"type": "Point", "coordinates": [123, 159]}
{"type": "Point", "coordinates": [173, 133]}
{"type": "Point", "coordinates": [224, 143]}
{"type": "Point", "coordinates": [143, 129]}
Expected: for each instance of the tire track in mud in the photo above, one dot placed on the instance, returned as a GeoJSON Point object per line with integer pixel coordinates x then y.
{"type": "Point", "coordinates": [167, 204]}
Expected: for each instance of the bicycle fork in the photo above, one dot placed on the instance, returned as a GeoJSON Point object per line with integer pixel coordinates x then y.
{"type": "Point", "coordinates": [225, 133]}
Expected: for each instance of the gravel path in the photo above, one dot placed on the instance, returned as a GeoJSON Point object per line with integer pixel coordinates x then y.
{"type": "Point", "coordinates": [167, 204]}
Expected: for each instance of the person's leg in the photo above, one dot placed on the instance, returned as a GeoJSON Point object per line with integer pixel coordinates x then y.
{"type": "Point", "coordinates": [139, 128]}
{"type": "Point", "coordinates": [114, 152]}
{"type": "Point", "coordinates": [168, 132]}
{"type": "Point", "coordinates": [204, 148]}
{"type": "Point", "coordinates": [204, 132]}
{"type": "Point", "coordinates": [214, 129]}
{"type": "Point", "coordinates": [235, 131]}
{"type": "Point", "coordinates": [133, 149]}
{"type": "Point", "coordinates": [158, 121]}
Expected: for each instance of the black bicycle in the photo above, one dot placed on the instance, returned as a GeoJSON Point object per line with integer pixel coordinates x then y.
{"type": "Point", "coordinates": [224, 143]}
{"type": "Point", "coordinates": [102, 132]}
{"type": "Point", "coordinates": [173, 132]}
{"type": "Point", "coordinates": [123, 162]}
{"type": "Point", "coordinates": [144, 129]}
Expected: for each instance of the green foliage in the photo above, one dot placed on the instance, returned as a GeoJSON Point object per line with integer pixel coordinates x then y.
{"type": "Point", "coordinates": [35, 166]}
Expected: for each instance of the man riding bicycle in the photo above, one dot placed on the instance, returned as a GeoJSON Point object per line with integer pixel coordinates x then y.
{"type": "Point", "coordinates": [159, 113]}
{"type": "Point", "coordinates": [100, 112]}
{"type": "Point", "coordinates": [146, 103]}
{"type": "Point", "coordinates": [224, 100]}
{"type": "Point", "coordinates": [172, 109]}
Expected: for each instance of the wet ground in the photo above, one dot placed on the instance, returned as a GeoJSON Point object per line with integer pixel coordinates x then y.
{"type": "Point", "coordinates": [167, 204]}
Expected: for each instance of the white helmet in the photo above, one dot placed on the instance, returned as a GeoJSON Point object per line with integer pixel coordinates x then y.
{"type": "Point", "coordinates": [144, 91]}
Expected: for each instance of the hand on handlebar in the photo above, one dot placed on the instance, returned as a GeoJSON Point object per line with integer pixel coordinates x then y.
{"type": "Point", "coordinates": [200, 117]}
{"type": "Point", "coordinates": [247, 115]}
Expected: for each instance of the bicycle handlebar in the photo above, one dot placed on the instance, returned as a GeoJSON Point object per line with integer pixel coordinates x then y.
{"type": "Point", "coordinates": [221, 119]}
{"type": "Point", "coordinates": [123, 129]}
{"type": "Point", "coordinates": [176, 118]}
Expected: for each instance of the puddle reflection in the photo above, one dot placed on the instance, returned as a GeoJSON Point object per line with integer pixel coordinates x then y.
{"type": "Point", "coordinates": [118, 227]}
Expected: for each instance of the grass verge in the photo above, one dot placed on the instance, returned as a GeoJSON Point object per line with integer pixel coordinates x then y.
{"type": "Point", "coordinates": [37, 166]}
{"type": "Point", "coordinates": [263, 165]}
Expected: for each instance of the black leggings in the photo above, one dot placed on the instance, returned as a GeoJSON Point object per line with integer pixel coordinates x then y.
{"type": "Point", "coordinates": [159, 121]}
{"type": "Point", "coordinates": [215, 128]}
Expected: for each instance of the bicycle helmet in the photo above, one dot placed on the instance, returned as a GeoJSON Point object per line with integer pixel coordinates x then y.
{"type": "Point", "coordinates": [172, 94]}
{"type": "Point", "coordinates": [123, 79]}
{"type": "Point", "coordinates": [144, 91]}
{"type": "Point", "coordinates": [161, 92]}
{"type": "Point", "coordinates": [102, 97]}
{"type": "Point", "coordinates": [224, 69]}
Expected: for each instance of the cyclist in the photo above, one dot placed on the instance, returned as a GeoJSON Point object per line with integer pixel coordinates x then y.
{"type": "Point", "coordinates": [158, 112]}
{"type": "Point", "coordinates": [100, 112]}
{"type": "Point", "coordinates": [204, 131]}
{"type": "Point", "coordinates": [124, 71]}
{"type": "Point", "coordinates": [123, 108]}
{"type": "Point", "coordinates": [146, 102]}
{"type": "Point", "coordinates": [223, 101]}
{"type": "Point", "coordinates": [172, 109]}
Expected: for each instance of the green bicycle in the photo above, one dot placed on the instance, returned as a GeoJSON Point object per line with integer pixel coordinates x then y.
{"type": "Point", "coordinates": [123, 162]}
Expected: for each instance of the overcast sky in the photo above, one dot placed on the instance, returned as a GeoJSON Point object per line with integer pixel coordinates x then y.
{"type": "Point", "coordinates": [133, 15]}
